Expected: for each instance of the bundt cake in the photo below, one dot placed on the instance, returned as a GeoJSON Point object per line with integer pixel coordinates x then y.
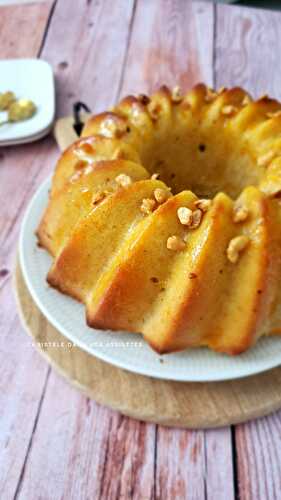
{"type": "Point", "coordinates": [164, 219]}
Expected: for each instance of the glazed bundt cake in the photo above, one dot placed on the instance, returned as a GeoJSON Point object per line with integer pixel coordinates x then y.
{"type": "Point", "coordinates": [164, 219]}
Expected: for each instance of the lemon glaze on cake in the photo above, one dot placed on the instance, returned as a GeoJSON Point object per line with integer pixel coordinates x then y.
{"type": "Point", "coordinates": [164, 219]}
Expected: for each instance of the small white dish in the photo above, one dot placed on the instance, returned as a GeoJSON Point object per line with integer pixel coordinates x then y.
{"type": "Point", "coordinates": [28, 79]}
{"type": "Point", "coordinates": [31, 138]}
{"type": "Point", "coordinates": [121, 349]}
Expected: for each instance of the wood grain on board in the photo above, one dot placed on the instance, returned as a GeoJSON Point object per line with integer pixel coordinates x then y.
{"type": "Point", "coordinates": [176, 404]}
{"type": "Point", "coordinates": [247, 48]}
{"type": "Point", "coordinates": [23, 374]}
{"type": "Point", "coordinates": [22, 28]}
{"type": "Point", "coordinates": [185, 461]}
{"type": "Point", "coordinates": [171, 43]}
{"type": "Point", "coordinates": [53, 438]}
{"type": "Point", "coordinates": [247, 45]}
{"type": "Point", "coordinates": [92, 48]}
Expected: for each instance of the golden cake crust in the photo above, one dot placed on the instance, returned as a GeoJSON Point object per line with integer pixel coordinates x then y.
{"type": "Point", "coordinates": [164, 219]}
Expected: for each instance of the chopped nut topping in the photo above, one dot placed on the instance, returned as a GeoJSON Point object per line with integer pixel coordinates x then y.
{"type": "Point", "coordinates": [185, 216]}
{"type": "Point", "coordinates": [189, 218]}
{"type": "Point", "coordinates": [176, 94]}
{"type": "Point", "coordinates": [246, 100]}
{"type": "Point", "coordinates": [273, 191]}
{"type": "Point", "coordinates": [196, 218]}
{"type": "Point", "coordinates": [161, 195]}
{"type": "Point", "coordinates": [236, 246]}
{"type": "Point", "coordinates": [228, 110]}
{"type": "Point", "coordinates": [274, 114]}
{"type": "Point", "coordinates": [221, 90]}
{"type": "Point", "coordinates": [203, 204]}
{"type": "Point", "coordinates": [98, 197]}
{"type": "Point", "coordinates": [175, 243]}
{"type": "Point", "coordinates": [155, 176]}
{"type": "Point", "coordinates": [109, 128]}
{"type": "Point", "coordinates": [264, 160]}
{"type": "Point", "coordinates": [123, 180]}
{"type": "Point", "coordinates": [153, 109]}
{"type": "Point", "coordinates": [263, 96]}
{"type": "Point", "coordinates": [136, 111]}
{"type": "Point", "coordinates": [144, 99]}
{"type": "Point", "coordinates": [240, 214]}
{"type": "Point", "coordinates": [147, 206]}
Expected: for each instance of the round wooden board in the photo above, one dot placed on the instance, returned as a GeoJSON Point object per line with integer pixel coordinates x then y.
{"type": "Point", "coordinates": [178, 404]}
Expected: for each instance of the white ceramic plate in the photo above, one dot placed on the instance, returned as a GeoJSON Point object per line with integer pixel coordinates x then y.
{"type": "Point", "coordinates": [28, 139]}
{"type": "Point", "coordinates": [125, 350]}
{"type": "Point", "coordinates": [28, 79]}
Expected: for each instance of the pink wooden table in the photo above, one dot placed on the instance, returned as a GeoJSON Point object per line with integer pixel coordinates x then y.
{"type": "Point", "coordinates": [54, 442]}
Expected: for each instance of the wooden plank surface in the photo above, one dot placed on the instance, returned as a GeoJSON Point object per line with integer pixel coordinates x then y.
{"type": "Point", "coordinates": [247, 44]}
{"type": "Point", "coordinates": [23, 374]}
{"type": "Point", "coordinates": [92, 47]}
{"type": "Point", "coordinates": [247, 48]}
{"type": "Point", "coordinates": [172, 43]}
{"type": "Point", "coordinates": [54, 443]}
{"type": "Point", "coordinates": [84, 448]}
{"type": "Point", "coordinates": [22, 29]}
{"type": "Point", "coordinates": [259, 458]}
{"type": "Point", "coordinates": [194, 464]}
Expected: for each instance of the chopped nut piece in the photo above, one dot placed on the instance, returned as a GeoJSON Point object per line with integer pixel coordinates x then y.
{"type": "Point", "coordinates": [196, 218]}
{"type": "Point", "coordinates": [161, 195]}
{"type": "Point", "coordinates": [176, 94]}
{"type": "Point", "coordinates": [185, 216]}
{"type": "Point", "coordinates": [274, 114]}
{"type": "Point", "coordinates": [203, 204]}
{"type": "Point", "coordinates": [155, 176]}
{"type": "Point", "coordinates": [98, 197]}
{"type": "Point", "coordinates": [221, 90]}
{"type": "Point", "coordinates": [228, 110]}
{"type": "Point", "coordinates": [136, 111]}
{"type": "Point", "coordinates": [175, 243]}
{"type": "Point", "coordinates": [240, 214]}
{"type": "Point", "coordinates": [123, 180]}
{"type": "Point", "coordinates": [147, 206]}
{"type": "Point", "coordinates": [263, 96]}
{"type": "Point", "coordinates": [236, 246]}
{"type": "Point", "coordinates": [246, 100]}
{"type": "Point", "coordinates": [273, 190]}
{"type": "Point", "coordinates": [264, 160]}
{"type": "Point", "coordinates": [110, 128]}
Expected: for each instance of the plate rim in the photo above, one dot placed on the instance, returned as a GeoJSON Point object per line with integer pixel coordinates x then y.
{"type": "Point", "coordinates": [219, 377]}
